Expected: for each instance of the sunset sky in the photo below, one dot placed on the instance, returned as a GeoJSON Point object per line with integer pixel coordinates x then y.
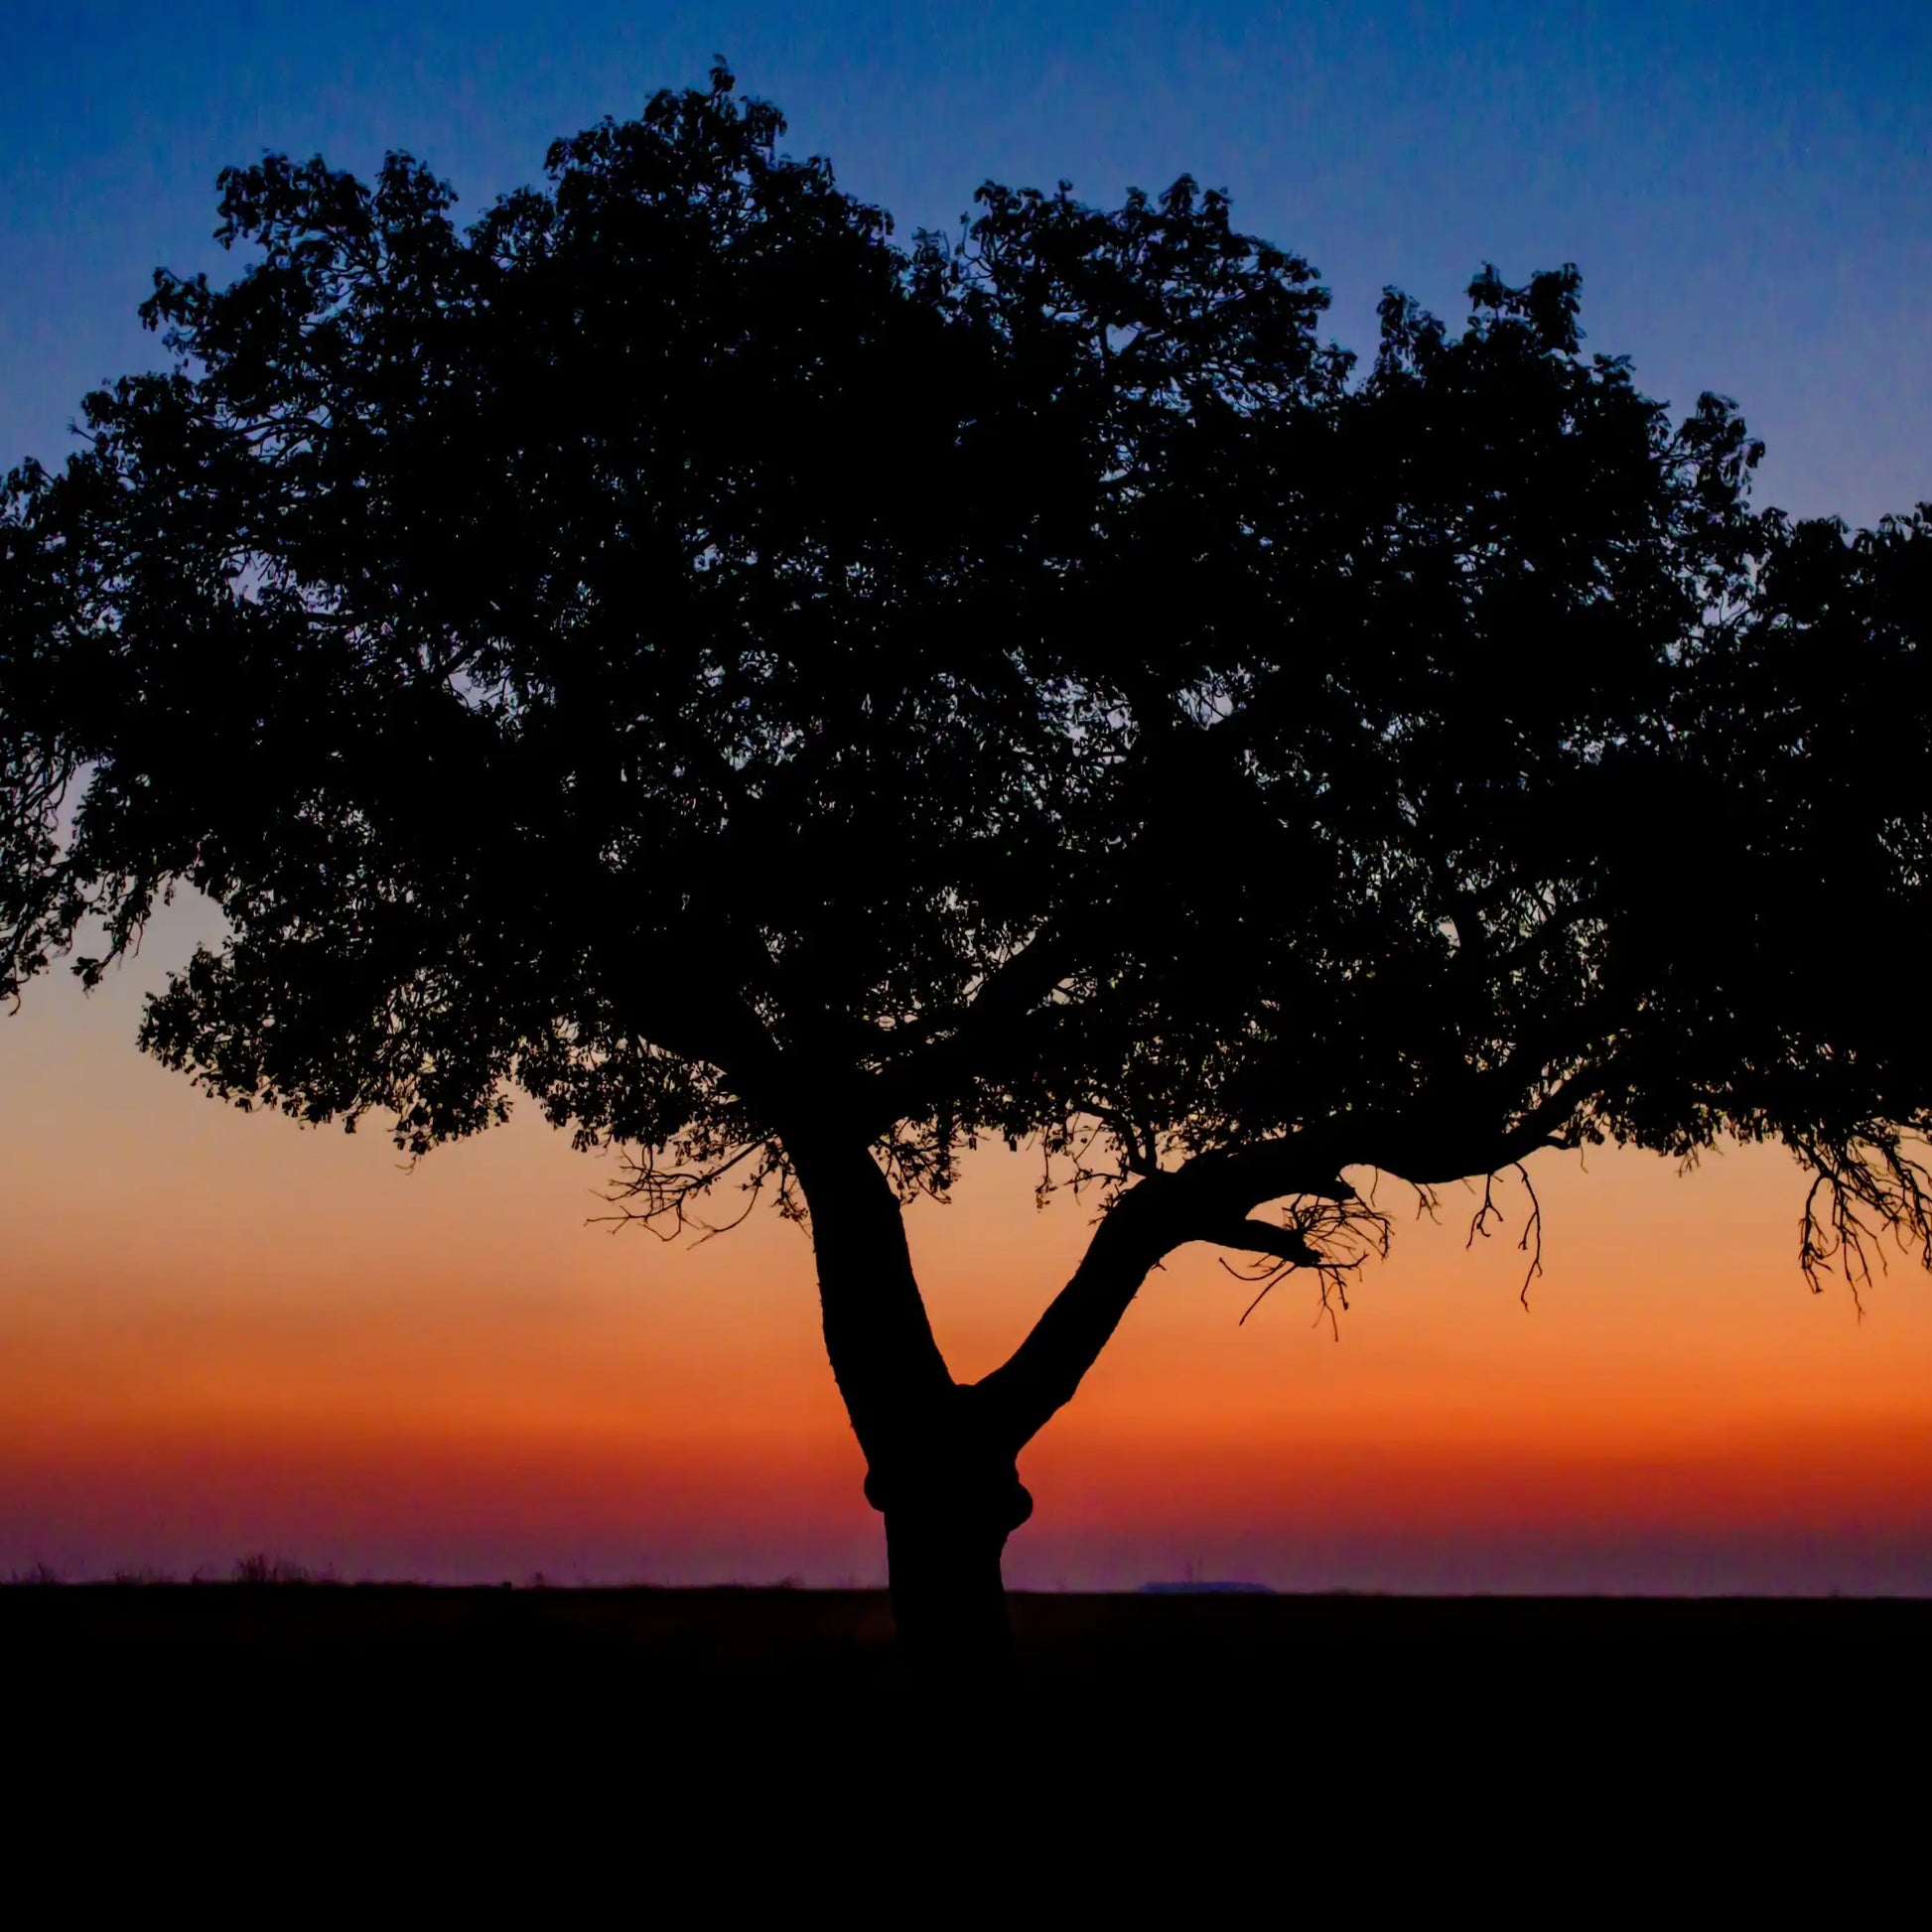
{"type": "Point", "coordinates": [221, 1334]}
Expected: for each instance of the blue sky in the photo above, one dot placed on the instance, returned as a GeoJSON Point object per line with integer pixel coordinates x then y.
{"type": "Point", "coordinates": [1747, 190]}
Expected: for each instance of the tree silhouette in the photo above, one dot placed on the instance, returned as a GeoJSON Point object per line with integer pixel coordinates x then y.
{"type": "Point", "coordinates": [796, 705]}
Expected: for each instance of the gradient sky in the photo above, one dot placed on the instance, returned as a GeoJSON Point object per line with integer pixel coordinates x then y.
{"type": "Point", "coordinates": [219, 1333]}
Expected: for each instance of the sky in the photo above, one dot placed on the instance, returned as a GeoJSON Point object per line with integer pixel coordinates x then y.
{"type": "Point", "coordinates": [221, 1334]}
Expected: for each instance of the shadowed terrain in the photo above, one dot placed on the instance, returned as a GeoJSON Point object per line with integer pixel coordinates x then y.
{"type": "Point", "coordinates": [1562, 1677]}
{"type": "Point", "coordinates": [705, 1746]}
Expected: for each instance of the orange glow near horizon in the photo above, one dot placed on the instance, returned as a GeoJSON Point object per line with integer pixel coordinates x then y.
{"type": "Point", "coordinates": [219, 1333]}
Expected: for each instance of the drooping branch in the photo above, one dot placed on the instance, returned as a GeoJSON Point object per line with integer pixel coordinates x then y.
{"type": "Point", "coordinates": [665, 1197]}
{"type": "Point", "coordinates": [1860, 1190]}
{"type": "Point", "coordinates": [1531, 1241]}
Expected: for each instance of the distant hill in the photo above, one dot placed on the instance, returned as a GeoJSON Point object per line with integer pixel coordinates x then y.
{"type": "Point", "coordinates": [1192, 1588]}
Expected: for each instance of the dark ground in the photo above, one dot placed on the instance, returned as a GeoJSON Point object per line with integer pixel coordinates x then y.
{"type": "Point", "coordinates": [1357, 1730]}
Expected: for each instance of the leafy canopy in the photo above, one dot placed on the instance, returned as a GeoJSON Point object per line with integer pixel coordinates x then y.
{"type": "Point", "coordinates": [671, 649]}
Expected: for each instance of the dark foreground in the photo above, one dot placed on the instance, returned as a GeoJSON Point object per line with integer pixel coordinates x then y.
{"type": "Point", "coordinates": [1311, 1725]}
{"type": "Point", "coordinates": [337, 1660]}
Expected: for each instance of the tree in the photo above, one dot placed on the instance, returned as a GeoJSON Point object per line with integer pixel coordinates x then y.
{"type": "Point", "coordinates": [794, 705]}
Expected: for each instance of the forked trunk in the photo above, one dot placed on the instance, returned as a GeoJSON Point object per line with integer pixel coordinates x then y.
{"type": "Point", "coordinates": [947, 1492]}
{"type": "Point", "coordinates": [941, 1456]}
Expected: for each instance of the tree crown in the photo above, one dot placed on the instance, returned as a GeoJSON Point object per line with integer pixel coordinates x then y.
{"type": "Point", "coordinates": [672, 649]}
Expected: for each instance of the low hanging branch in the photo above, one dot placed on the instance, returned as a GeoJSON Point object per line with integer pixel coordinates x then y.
{"type": "Point", "coordinates": [1531, 1241]}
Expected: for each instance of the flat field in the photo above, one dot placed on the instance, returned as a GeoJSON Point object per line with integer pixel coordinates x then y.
{"type": "Point", "coordinates": [1719, 1675]}
{"type": "Point", "coordinates": [1353, 1744]}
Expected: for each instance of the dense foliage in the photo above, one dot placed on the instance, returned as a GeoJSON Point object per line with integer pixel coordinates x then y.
{"type": "Point", "coordinates": [671, 649]}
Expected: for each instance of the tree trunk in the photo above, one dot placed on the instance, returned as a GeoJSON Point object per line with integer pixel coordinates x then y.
{"type": "Point", "coordinates": [945, 1532]}
{"type": "Point", "coordinates": [938, 1468]}
{"type": "Point", "coordinates": [941, 1456]}
{"type": "Point", "coordinates": [949, 1603]}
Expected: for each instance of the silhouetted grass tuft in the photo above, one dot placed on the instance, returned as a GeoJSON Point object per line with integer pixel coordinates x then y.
{"type": "Point", "coordinates": [259, 1569]}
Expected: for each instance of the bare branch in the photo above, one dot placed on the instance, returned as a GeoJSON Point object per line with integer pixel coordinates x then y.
{"type": "Point", "coordinates": [1532, 1242]}
{"type": "Point", "coordinates": [661, 1199]}
{"type": "Point", "coordinates": [1864, 1187]}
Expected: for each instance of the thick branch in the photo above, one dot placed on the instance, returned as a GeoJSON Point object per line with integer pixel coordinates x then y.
{"type": "Point", "coordinates": [1429, 1152]}
{"type": "Point", "coordinates": [1206, 1200]}
{"type": "Point", "coordinates": [884, 1355]}
{"type": "Point", "coordinates": [1011, 991]}
{"type": "Point", "coordinates": [1259, 1238]}
{"type": "Point", "coordinates": [1209, 1200]}
{"type": "Point", "coordinates": [1042, 1373]}
{"type": "Point", "coordinates": [1167, 760]}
